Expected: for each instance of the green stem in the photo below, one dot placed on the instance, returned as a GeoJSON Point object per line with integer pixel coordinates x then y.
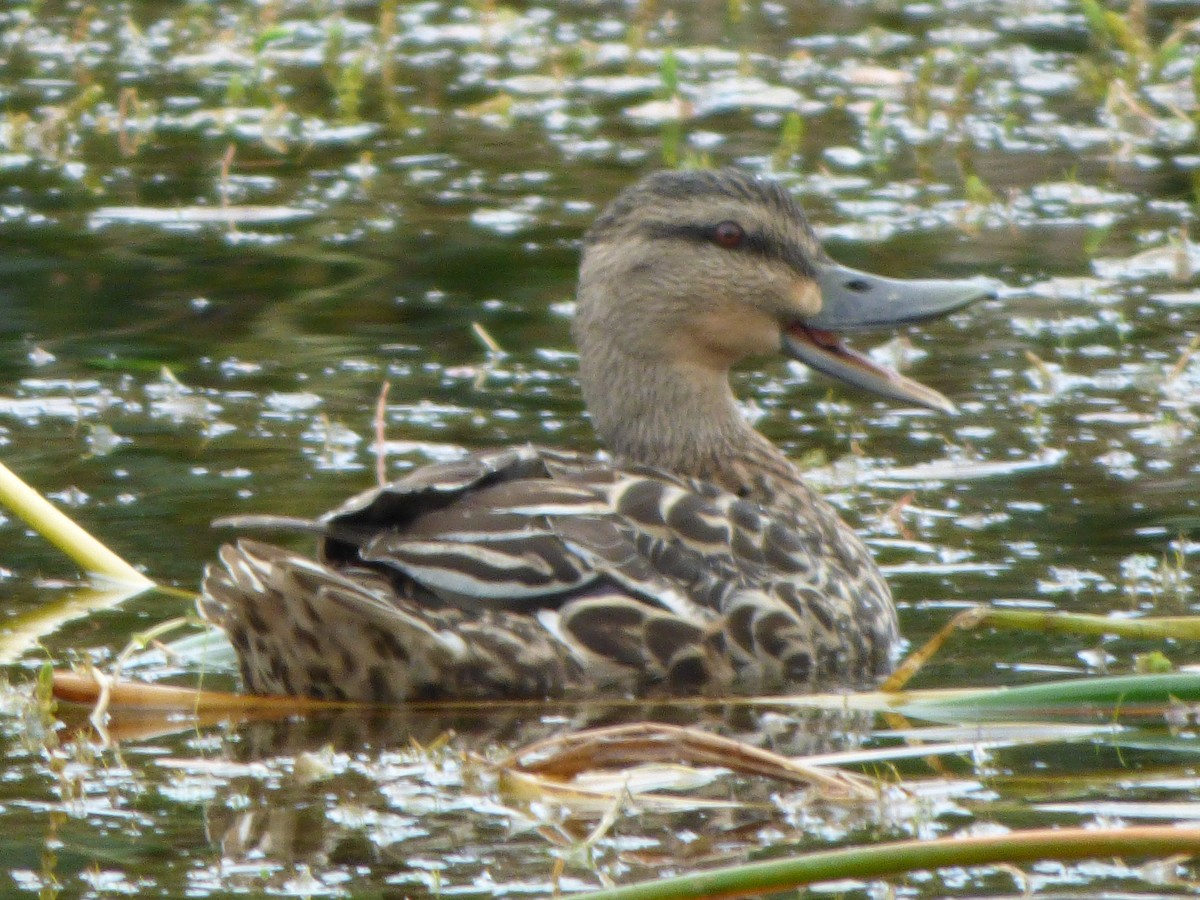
{"type": "Point", "coordinates": [908, 856]}
{"type": "Point", "coordinates": [1155, 628]}
{"type": "Point", "coordinates": [1112, 698]}
{"type": "Point", "coordinates": [51, 523]}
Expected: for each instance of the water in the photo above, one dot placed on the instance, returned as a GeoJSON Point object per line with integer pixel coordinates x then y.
{"type": "Point", "coordinates": [223, 227]}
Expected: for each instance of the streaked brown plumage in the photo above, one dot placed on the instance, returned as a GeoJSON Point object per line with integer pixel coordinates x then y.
{"type": "Point", "coordinates": [696, 561]}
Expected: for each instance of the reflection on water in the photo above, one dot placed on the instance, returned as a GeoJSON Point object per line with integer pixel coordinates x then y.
{"type": "Point", "coordinates": [224, 227]}
{"type": "Point", "coordinates": [414, 796]}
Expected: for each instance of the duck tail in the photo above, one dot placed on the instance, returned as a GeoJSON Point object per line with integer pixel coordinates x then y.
{"type": "Point", "coordinates": [301, 627]}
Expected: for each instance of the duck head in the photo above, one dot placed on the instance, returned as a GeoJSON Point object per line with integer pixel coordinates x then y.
{"type": "Point", "coordinates": [706, 268]}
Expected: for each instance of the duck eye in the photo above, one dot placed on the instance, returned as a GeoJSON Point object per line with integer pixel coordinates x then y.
{"type": "Point", "coordinates": [729, 235]}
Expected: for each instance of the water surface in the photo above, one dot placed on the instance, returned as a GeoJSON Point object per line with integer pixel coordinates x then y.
{"type": "Point", "coordinates": [223, 227]}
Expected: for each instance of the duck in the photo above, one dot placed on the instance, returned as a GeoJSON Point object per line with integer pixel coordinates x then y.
{"type": "Point", "coordinates": [689, 559]}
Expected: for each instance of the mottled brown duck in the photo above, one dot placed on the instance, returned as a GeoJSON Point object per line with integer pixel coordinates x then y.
{"type": "Point", "coordinates": [693, 559]}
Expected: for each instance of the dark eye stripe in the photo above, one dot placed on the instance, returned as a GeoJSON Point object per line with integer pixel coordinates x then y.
{"type": "Point", "coordinates": [756, 242]}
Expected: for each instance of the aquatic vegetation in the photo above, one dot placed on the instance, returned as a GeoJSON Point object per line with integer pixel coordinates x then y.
{"type": "Point", "coordinates": [288, 204]}
{"type": "Point", "coordinates": [791, 139]}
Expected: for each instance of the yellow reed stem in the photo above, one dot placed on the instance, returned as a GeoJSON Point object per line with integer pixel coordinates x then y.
{"type": "Point", "coordinates": [55, 526]}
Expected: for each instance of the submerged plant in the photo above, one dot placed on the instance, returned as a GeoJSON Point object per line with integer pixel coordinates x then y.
{"type": "Point", "coordinates": [876, 137]}
{"type": "Point", "coordinates": [965, 92]}
{"type": "Point", "coordinates": [1129, 53]}
{"type": "Point", "coordinates": [672, 128]}
{"type": "Point", "coordinates": [791, 137]}
{"type": "Point", "coordinates": [351, 80]}
{"type": "Point", "coordinates": [922, 91]}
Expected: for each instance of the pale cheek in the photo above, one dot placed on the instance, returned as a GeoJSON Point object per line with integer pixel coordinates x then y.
{"type": "Point", "coordinates": [806, 298]}
{"type": "Point", "coordinates": [729, 335]}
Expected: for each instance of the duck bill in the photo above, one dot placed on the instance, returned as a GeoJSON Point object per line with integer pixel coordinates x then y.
{"type": "Point", "coordinates": [859, 301]}
{"type": "Point", "coordinates": [825, 352]}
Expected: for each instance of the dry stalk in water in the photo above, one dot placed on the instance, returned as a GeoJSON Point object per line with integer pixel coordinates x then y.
{"type": "Point", "coordinates": [651, 742]}
{"type": "Point", "coordinates": [381, 434]}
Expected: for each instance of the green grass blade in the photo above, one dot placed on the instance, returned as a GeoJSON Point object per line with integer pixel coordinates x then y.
{"type": "Point", "coordinates": [907, 856]}
{"type": "Point", "coordinates": [1104, 699]}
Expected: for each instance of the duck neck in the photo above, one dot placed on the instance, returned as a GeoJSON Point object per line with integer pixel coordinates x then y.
{"type": "Point", "coordinates": [682, 418]}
